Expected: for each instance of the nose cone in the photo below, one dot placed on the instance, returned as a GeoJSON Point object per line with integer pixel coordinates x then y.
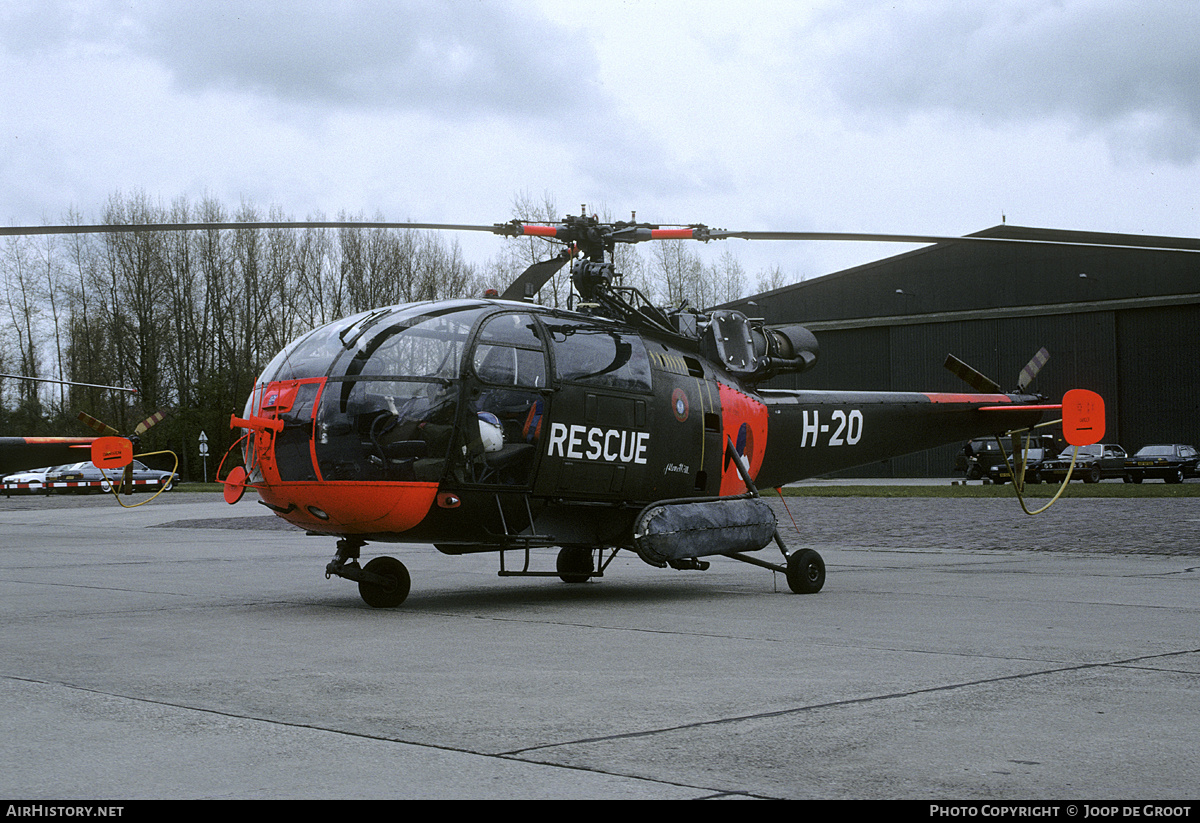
{"type": "Point", "coordinates": [351, 507]}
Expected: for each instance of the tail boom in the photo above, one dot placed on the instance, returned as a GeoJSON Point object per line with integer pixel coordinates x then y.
{"type": "Point", "coordinates": [816, 432]}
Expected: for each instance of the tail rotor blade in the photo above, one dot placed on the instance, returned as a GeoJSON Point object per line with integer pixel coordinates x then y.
{"type": "Point", "coordinates": [98, 425]}
{"type": "Point", "coordinates": [970, 376]}
{"type": "Point", "coordinates": [1032, 368]}
{"type": "Point", "coordinates": [148, 422]}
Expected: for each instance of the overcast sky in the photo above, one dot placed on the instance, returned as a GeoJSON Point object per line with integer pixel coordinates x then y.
{"type": "Point", "coordinates": [937, 117]}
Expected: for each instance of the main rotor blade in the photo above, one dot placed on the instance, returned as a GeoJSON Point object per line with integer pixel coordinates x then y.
{"type": "Point", "coordinates": [69, 382]}
{"type": "Point", "coordinates": [623, 233]}
{"type": "Point", "coordinates": [10, 231]}
{"type": "Point", "coordinates": [533, 278]}
{"type": "Point", "coordinates": [924, 239]}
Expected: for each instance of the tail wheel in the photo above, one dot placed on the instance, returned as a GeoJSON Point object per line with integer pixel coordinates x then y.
{"type": "Point", "coordinates": [392, 586]}
{"type": "Point", "coordinates": [805, 572]}
{"type": "Point", "coordinates": [574, 564]}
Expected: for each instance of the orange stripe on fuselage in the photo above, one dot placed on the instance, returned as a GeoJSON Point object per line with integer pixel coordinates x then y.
{"type": "Point", "coordinates": [950, 397]}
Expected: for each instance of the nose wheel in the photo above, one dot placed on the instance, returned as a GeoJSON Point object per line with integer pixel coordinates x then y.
{"type": "Point", "coordinates": [383, 583]}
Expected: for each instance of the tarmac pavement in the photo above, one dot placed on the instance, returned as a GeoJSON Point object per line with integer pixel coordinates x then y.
{"type": "Point", "coordinates": [959, 650]}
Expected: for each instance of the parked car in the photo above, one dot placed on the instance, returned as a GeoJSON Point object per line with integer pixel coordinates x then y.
{"type": "Point", "coordinates": [33, 480]}
{"type": "Point", "coordinates": [1034, 457]}
{"type": "Point", "coordinates": [1094, 463]}
{"type": "Point", "coordinates": [1172, 462]}
{"type": "Point", "coordinates": [978, 457]}
{"type": "Point", "coordinates": [981, 457]}
{"type": "Point", "coordinates": [85, 477]}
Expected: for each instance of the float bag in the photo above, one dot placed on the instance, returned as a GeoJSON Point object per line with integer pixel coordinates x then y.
{"type": "Point", "coordinates": [677, 530]}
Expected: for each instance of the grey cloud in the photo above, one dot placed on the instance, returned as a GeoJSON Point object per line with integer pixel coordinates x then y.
{"type": "Point", "coordinates": [1125, 70]}
{"type": "Point", "coordinates": [454, 59]}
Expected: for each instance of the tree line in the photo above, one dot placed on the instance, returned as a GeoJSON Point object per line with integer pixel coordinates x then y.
{"type": "Point", "coordinates": [188, 319]}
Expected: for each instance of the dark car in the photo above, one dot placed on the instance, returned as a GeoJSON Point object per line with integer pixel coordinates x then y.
{"type": "Point", "coordinates": [86, 477]}
{"type": "Point", "coordinates": [983, 456]}
{"type": "Point", "coordinates": [1172, 462]}
{"type": "Point", "coordinates": [978, 457]}
{"type": "Point", "coordinates": [1094, 463]}
{"type": "Point", "coordinates": [1034, 457]}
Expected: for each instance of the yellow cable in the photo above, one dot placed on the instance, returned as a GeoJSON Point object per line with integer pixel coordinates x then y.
{"type": "Point", "coordinates": [114, 486]}
{"type": "Point", "coordinates": [1017, 487]}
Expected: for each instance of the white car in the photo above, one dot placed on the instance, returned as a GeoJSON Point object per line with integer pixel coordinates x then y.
{"type": "Point", "coordinates": [33, 480]}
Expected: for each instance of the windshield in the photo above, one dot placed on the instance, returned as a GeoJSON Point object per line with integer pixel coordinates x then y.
{"type": "Point", "coordinates": [1156, 451]}
{"type": "Point", "coordinates": [408, 342]}
{"type": "Point", "coordinates": [1084, 451]}
{"type": "Point", "coordinates": [413, 340]}
{"type": "Point", "coordinates": [311, 354]}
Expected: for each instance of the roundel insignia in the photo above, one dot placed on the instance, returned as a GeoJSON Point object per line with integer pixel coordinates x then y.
{"type": "Point", "coordinates": [745, 443]}
{"type": "Point", "coordinates": [679, 404]}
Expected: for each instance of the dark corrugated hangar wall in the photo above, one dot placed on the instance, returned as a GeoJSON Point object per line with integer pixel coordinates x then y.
{"type": "Point", "coordinates": [1122, 322]}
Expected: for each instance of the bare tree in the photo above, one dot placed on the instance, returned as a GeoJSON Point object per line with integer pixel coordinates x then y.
{"type": "Point", "coordinates": [721, 282]}
{"type": "Point", "coordinates": [24, 305]}
{"type": "Point", "coordinates": [773, 278]}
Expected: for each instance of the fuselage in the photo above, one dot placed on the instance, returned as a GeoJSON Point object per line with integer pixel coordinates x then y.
{"type": "Point", "coordinates": [478, 424]}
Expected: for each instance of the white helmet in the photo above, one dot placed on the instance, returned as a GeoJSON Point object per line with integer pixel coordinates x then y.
{"type": "Point", "coordinates": [490, 432]}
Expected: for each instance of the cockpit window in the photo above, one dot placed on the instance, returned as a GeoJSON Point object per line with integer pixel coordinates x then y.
{"type": "Point", "coordinates": [599, 356]}
{"type": "Point", "coordinates": [509, 352]}
{"type": "Point", "coordinates": [310, 355]}
{"type": "Point", "coordinates": [415, 340]}
{"type": "Point", "coordinates": [409, 344]}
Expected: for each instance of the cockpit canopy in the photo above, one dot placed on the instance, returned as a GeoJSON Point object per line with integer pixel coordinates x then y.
{"type": "Point", "coordinates": [411, 392]}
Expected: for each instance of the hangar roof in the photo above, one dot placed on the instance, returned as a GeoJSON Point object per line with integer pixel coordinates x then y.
{"type": "Point", "coordinates": [964, 280]}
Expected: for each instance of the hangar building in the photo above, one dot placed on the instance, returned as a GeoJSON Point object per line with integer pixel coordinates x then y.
{"type": "Point", "coordinates": [1123, 320]}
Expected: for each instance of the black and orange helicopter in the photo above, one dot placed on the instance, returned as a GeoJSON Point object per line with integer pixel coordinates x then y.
{"type": "Point", "coordinates": [496, 424]}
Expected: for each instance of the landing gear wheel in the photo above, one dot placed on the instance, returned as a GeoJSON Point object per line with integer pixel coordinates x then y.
{"type": "Point", "coordinates": [574, 564]}
{"type": "Point", "coordinates": [393, 590]}
{"type": "Point", "coordinates": [805, 572]}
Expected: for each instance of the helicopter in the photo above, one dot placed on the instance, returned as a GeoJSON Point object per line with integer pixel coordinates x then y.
{"type": "Point", "coordinates": [495, 424]}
